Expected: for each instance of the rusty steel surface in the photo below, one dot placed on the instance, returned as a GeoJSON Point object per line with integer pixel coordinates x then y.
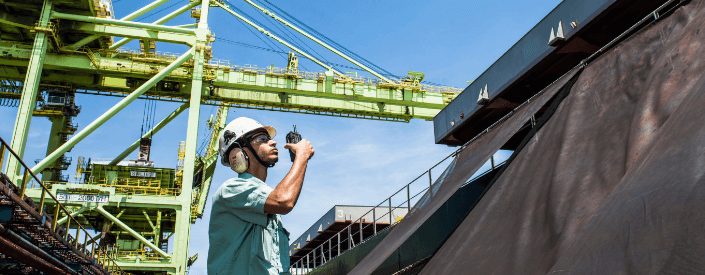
{"type": "Point", "coordinates": [614, 182]}
{"type": "Point", "coordinates": [32, 249]}
{"type": "Point", "coordinates": [27, 258]}
{"type": "Point", "coordinates": [466, 163]}
{"type": "Point", "coordinates": [31, 236]}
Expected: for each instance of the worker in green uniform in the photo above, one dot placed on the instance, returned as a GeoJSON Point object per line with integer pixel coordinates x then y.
{"type": "Point", "coordinates": [245, 231]}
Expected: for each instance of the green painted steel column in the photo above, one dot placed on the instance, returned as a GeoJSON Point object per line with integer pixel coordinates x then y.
{"type": "Point", "coordinates": [131, 232]}
{"type": "Point", "coordinates": [110, 113]}
{"type": "Point", "coordinates": [162, 20]}
{"type": "Point", "coordinates": [129, 17]}
{"type": "Point", "coordinates": [57, 125]}
{"type": "Point", "coordinates": [183, 217]}
{"type": "Point", "coordinates": [212, 147]}
{"type": "Point", "coordinates": [29, 94]}
{"type": "Point", "coordinates": [150, 133]}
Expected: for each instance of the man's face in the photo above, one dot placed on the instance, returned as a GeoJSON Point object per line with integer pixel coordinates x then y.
{"type": "Point", "coordinates": [266, 148]}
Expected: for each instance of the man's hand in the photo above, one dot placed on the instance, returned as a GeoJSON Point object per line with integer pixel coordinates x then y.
{"type": "Point", "coordinates": [302, 149]}
{"type": "Point", "coordinates": [284, 197]}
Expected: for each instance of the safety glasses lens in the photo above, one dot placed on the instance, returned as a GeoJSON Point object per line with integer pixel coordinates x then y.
{"type": "Point", "coordinates": [262, 139]}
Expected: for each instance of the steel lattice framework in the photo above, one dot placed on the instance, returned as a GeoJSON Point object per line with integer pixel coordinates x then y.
{"type": "Point", "coordinates": [52, 49]}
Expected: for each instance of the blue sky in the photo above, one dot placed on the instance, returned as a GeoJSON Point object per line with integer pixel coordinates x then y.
{"type": "Point", "coordinates": [357, 162]}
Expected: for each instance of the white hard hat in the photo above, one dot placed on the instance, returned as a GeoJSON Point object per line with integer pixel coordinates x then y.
{"type": "Point", "coordinates": [235, 131]}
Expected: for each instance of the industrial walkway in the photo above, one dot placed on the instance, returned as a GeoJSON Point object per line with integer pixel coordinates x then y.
{"type": "Point", "coordinates": [31, 242]}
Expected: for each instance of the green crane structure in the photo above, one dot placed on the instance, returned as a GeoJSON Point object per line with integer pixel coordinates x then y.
{"type": "Point", "coordinates": [52, 49]}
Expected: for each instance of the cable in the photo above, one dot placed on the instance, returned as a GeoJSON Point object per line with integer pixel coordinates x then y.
{"type": "Point", "coordinates": [276, 43]}
{"type": "Point", "coordinates": [154, 116]}
{"type": "Point", "coordinates": [296, 38]}
{"type": "Point", "coordinates": [248, 45]}
{"type": "Point", "coordinates": [143, 17]}
{"type": "Point", "coordinates": [246, 27]}
{"type": "Point", "coordinates": [330, 41]}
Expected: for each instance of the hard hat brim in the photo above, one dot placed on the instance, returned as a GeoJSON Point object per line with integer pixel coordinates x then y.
{"type": "Point", "coordinates": [267, 129]}
{"type": "Point", "coordinates": [270, 131]}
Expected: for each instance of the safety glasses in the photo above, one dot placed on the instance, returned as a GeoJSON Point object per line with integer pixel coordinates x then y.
{"type": "Point", "coordinates": [263, 138]}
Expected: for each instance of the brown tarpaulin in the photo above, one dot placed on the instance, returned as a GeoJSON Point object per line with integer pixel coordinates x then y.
{"type": "Point", "coordinates": [465, 165]}
{"type": "Point", "coordinates": [613, 183]}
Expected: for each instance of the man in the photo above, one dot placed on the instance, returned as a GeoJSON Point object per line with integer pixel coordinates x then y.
{"type": "Point", "coordinates": [245, 232]}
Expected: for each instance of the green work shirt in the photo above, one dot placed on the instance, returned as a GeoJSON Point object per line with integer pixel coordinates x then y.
{"type": "Point", "coordinates": [243, 238]}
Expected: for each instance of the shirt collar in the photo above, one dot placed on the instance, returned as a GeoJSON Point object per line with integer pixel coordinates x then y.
{"type": "Point", "coordinates": [248, 176]}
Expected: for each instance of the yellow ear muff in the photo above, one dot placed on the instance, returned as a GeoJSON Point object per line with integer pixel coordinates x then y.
{"type": "Point", "coordinates": [239, 163]}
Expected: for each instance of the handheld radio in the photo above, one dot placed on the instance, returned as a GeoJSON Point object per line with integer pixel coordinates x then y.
{"type": "Point", "coordinates": [293, 138]}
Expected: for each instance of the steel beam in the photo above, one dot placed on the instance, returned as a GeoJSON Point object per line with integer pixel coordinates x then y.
{"type": "Point", "coordinates": [150, 133]}
{"type": "Point", "coordinates": [213, 146]}
{"type": "Point", "coordinates": [16, 21]}
{"type": "Point", "coordinates": [162, 20]}
{"type": "Point", "coordinates": [57, 125]}
{"type": "Point", "coordinates": [133, 33]}
{"type": "Point", "coordinates": [110, 113]}
{"type": "Point", "coordinates": [144, 10]}
{"type": "Point", "coordinates": [271, 14]}
{"type": "Point", "coordinates": [29, 94]}
{"type": "Point", "coordinates": [129, 17]}
{"type": "Point", "coordinates": [73, 214]}
{"type": "Point", "coordinates": [131, 231]}
{"type": "Point", "coordinates": [188, 25]}
{"type": "Point", "coordinates": [98, 20]}
{"type": "Point", "coordinates": [154, 229]}
{"type": "Point", "coordinates": [182, 227]}
{"type": "Point", "coordinates": [267, 33]}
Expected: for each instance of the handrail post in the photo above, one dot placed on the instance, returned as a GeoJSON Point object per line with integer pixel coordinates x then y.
{"type": "Point", "coordinates": [430, 183]}
{"type": "Point", "coordinates": [338, 244]}
{"type": "Point", "coordinates": [68, 226]}
{"type": "Point", "coordinates": [330, 247]}
{"type": "Point", "coordinates": [361, 237]}
{"type": "Point", "coordinates": [41, 201]}
{"type": "Point", "coordinates": [408, 199]}
{"type": "Point", "coordinates": [56, 217]}
{"type": "Point", "coordinates": [390, 211]}
{"type": "Point", "coordinates": [78, 232]}
{"type": "Point", "coordinates": [103, 254]}
{"type": "Point", "coordinates": [374, 221]}
{"type": "Point", "coordinates": [2, 155]}
{"type": "Point", "coordinates": [24, 183]}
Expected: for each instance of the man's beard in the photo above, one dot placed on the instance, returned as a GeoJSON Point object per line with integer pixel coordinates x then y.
{"type": "Point", "coordinates": [264, 158]}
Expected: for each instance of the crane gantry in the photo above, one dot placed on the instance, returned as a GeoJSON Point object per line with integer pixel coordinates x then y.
{"type": "Point", "coordinates": [52, 49]}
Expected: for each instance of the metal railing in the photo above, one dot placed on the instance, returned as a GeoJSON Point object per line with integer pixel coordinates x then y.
{"type": "Point", "coordinates": [101, 255]}
{"type": "Point", "coordinates": [333, 247]}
